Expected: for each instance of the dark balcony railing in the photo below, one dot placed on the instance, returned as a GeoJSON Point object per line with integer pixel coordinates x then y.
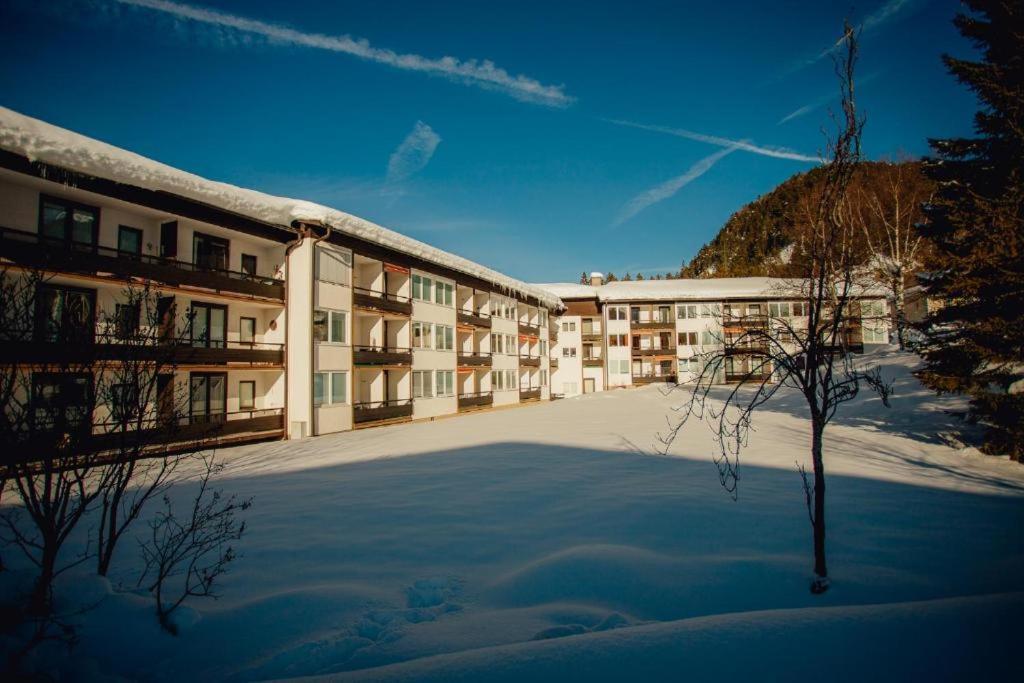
{"type": "Point", "coordinates": [35, 250]}
{"type": "Point", "coordinates": [656, 351]}
{"type": "Point", "coordinates": [476, 399]}
{"type": "Point", "coordinates": [474, 359]}
{"type": "Point", "coordinates": [377, 411]}
{"type": "Point", "coordinates": [737, 376]}
{"type": "Point", "coordinates": [529, 394]}
{"type": "Point", "coordinates": [381, 301]}
{"type": "Point", "coordinates": [648, 379]}
{"type": "Point", "coordinates": [746, 348]}
{"type": "Point", "coordinates": [381, 355]}
{"type": "Point", "coordinates": [478, 319]}
{"type": "Point", "coordinates": [592, 362]}
{"type": "Point", "coordinates": [592, 335]}
{"type": "Point", "coordinates": [553, 361]}
{"type": "Point", "coordinates": [138, 434]}
{"type": "Point", "coordinates": [656, 324]}
{"type": "Point", "coordinates": [528, 328]}
{"type": "Point", "coordinates": [155, 350]}
{"type": "Point", "coordinates": [529, 361]}
{"type": "Point", "coordinates": [746, 322]}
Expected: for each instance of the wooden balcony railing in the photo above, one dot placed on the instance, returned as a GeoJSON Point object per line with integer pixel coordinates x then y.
{"type": "Point", "coordinates": [657, 324]}
{"type": "Point", "coordinates": [381, 355]}
{"type": "Point", "coordinates": [478, 319]}
{"type": "Point", "coordinates": [37, 251]}
{"type": "Point", "coordinates": [166, 351]}
{"type": "Point", "coordinates": [529, 328]}
{"type": "Point", "coordinates": [592, 362]}
{"type": "Point", "coordinates": [384, 302]}
{"type": "Point", "coordinates": [648, 379]}
{"type": "Point", "coordinates": [378, 411]}
{"type": "Point", "coordinates": [529, 394]}
{"type": "Point", "coordinates": [655, 351]}
{"type": "Point", "coordinates": [474, 359]}
{"type": "Point", "coordinates": [529, 361]}
{"type": "Point", "coordinates": [478, 399]}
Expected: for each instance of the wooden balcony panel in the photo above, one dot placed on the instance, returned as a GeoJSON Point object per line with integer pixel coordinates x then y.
{"type": "Point", "coordinates": [653, 325]}
{"type": "Point", "coordinates": [530, 361]}
{"type": "Point", "coordinates": [379, 411]}
{"type": "Point", "coordinates": [664, 351]}
{"type": "Point", "coordinates": [742, 376]}
{"type": "Point", "coordinates": [474, 319]}
{"type": "Point", "coordinates": [34, 251]}
{"type": "Point", "coordinates": [478, 359]}
{"type": "Point", "coordinates": [381, 301]}
{"type": "Point", "coordinates": [381, 355]}
{"type": "Point", "coordinates": [526, 328]}
{"type": "Point", "coordinates": [529, 394]}
{"type": "Point", "coordinates": [592, 336]}
{"type": "Point", "coordinates": [649, 379]}
{"type": "Point", "coordinates": [180, 352]}
{"type": "Point", "coordinates": [592, 362]}
{"type": "Point", "coordinates": [476, 400]}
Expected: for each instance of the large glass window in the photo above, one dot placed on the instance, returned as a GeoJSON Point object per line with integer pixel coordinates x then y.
{"type": "Point", "coordinates": [330, 326]}
{"type": "Point", "coordinates": [421, 335]}
{"type": "Point", "coordinates": [65, 220]}
{"type": "Point", "coordinates": [65, 314]}
{"type": "Point", "coordinates": [443, 293]}
{"type": "Point", "coordinates": [444, 337]}
{"type": "Point", "coordinates": [61, 401]}
{"type": "Point", "coordinates": [330, 388]}
{"type": "Point", "coordinates": [247, 330]}
{"type": "Point", "coordinates": [247, 395]}
{"type": "Point", "coordinates": [249, 264]}
{"type": "Point", "coordinates": [129, 240]}
{"type": "Point", "coordinates": [208, 396]}
{"type": "Point", "coordinates": [209, 251]}
{"type": "Point", "coordinates": [445, 383]}
{"type": "Point", "coordinates": [209, 325]}
{"type": "Point", "coordinates": [421, 384]}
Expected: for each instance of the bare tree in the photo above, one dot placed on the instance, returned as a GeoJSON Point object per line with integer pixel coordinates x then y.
{"type": "Point", "coordinates": [196, 548]}
{"type": "Point", "coordinates": [887, 209]}
{"type": "Point", "coordinates": [805, 343]}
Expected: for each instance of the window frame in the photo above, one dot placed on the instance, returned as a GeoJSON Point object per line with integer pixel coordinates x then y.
{"type": "Point", "coordinates": [129, 230]}
{"type": "Point", "coordinates": [70, 205]}
{"type": "Point", "coordinates": [250, 383]}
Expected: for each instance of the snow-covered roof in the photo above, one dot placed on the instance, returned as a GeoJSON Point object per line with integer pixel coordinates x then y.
{"type": "Point", "coordinates": [44, 142]}
{"type": "Point", "coordinates": [707, 289]}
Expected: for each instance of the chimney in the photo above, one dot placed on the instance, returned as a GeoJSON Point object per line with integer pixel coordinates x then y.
{"type": "Point", "coordinates": [596, 279]}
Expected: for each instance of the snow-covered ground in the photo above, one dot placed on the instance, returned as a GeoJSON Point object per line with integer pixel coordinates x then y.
{"type": "Point", "coordinates": [550, 542]}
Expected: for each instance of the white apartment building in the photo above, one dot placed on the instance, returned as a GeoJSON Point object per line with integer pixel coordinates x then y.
{"type": "Point", "coordinates": [278, 318]}
{"type": "Point", "coordinates": [633, 333]}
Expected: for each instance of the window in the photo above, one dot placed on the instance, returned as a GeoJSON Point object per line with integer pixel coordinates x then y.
{"type": "Point", "coordinates": [209, 325]}
{"type": "Point", "coordinates": [65, 314]}
{"type": "Point", "coordinates": [332, 265]}
{"type": "Point", "coordinates": [543, 378]}
{"type": "Point", "coordinates": [61, 401]}
{"type": "Point", "coordinates": [510, 344]}
{"type": "Point", "coordinates": [444, 337]}
{"type": "Point", "coordinates": [687, 338]}
{"type": "Point", "coordinates": [69, 221]}
{"type": "Point", "coordinates": [129, 240]}
{"type": "Point", "coordinates": [329, 326]}
{"type": "Point", "coordinates": [123, 401]}
{"type": "Point", "coordinates": [421, 335]}
{"type": "Point", "coordinates": [126, 320]}
{"type": "Point", "coordinates": [618, 340]}
{"type": "Point", "coordinates": [543, 347]}
{"type": "Point", "coordinates": [247, 395]}
{"type": "Point", "coordinates": [799, 309]}
{"type": "Point", "coordinates": [249, 264]}
{"type": "Point", "coordinates": [210, 252]}
{"type": "Point", "coordinates": [689, 364]}
{"type": "Point", "coordinates": [330, 388]}
{"type": "Point", "coordinates": [686, 312]}
{"type": "Point", "coordinates": [569, 326]}
{"type": "Point", "coordinates": [710, 310]}
{"type": "Point", "coordinates": [709, 338]}
{"type": "Point", "coordinates": [543, 318]}
{"type": "Point", "coordinates": [443, 293]}
{"type": "Point", "coordinates": [617, 312]}
{"type": "Point", "coordinates": [569, 352]}
{"type": "Point", "coordinates": [496, 344]}
{"type": "Point", "coordinates": [247, 330]}
{"type": "Point", "coordinates": [208, 396]}
{"type": "Point", "coordinates": [422, 288]}
{"type": "Point", "coordinates": [664, 314]}
{"type": "Point", "coordinates": [445, 383]}
{"type": "Point", "coordinates": [421, 384]}
{"type": "Point", "coordinates": [778, 309]}
{"type": "Point", "coordinates": [510, 379]}
{"type": "Point", "coordinates": [618, 367]}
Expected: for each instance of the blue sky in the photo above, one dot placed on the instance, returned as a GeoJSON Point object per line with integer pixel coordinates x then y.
{"type": "Point", "coordinates": [602, 131]}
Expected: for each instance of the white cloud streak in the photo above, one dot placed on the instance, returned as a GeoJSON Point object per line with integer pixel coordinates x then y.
{"type": "Point", "coordinates": [775, 152]}
{"type": "Point", "coordinates": [413, 155]}
{"type": "Point", "coordinates": [484, 74]}
{"type": "Point", "coordinates": [823, 100]}
{"type": "Point", "coordinates": [668, 188]}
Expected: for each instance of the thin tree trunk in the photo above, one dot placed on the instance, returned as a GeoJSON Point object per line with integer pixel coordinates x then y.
{"type": "Point", "coordinates": [820, 568]}
{"type": "Point", "coordinates": [899, 301]}
{"type": "Point", "coordinates": [39, 603]}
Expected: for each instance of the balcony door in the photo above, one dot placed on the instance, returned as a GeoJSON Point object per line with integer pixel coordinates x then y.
{"type": "Point", "coordinates": [65, 314]}
{"type": "Point", "coordinates": [208, 396]}
{"type": "Point", "coordinates": [210, 252]}
{"type": "Point", "coordinates": [61, 219]}
{"type": "Point", "coordinates": [209, 325]}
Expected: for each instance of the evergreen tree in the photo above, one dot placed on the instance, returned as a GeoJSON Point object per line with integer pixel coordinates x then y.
{"type": "Point", "coordinates": [584, 280]}
{"type": "Point", "coordinates": [611, 277]}
{"type": "Point", "coordinates": [974, 345]}
{"type": "Point", "coordinates": [639, 277]}
{"type": "Point", "coordinates": [628, 278]}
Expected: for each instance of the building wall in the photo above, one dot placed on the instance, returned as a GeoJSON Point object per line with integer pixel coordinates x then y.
{"type": "Point", "coordinates": [432, 359]}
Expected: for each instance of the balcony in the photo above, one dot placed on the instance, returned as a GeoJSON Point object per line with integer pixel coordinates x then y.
{"type": "Point", "coordinates": [592, 362]}
{"type": "Point", "coordinates": [591, 335]}
{"type": "Point", "coordinates": [529, 328]}
{"type": "Point", "coordinates": [529, 361]}
{"type": "Point", "coordinates": [381, 302]}
{"type": "Point", "coordinates": [655, 351]}
{"type": "Point", "coordinates": [758, 376]}
{"type": "Point", "coordinates": [382, 411]}
{"type": "Point", "coordinates": [162, 433]}
{"type": "Point", "coordinates": [732, 322]}
{"type": "Point", "coordinates": [657, 324]}
{"type": "Point", "coordinates": [474, 319]}
{"type": "Point", "coordinates": [381, 355]}
{"type": "Point", "coordinates": [529, 394]}
{"type": "Point", "coordinates": [162, 351]}
{"type": "Point", "coordinates": [479, 399]}
{"type": "Point", "coordinates": [32, 250]}
{"type": "Point", "coordinates": [553, 362]}
{"type": "Point", "coordinates": [746, 348]}
{"type": "Point", "coordinates": [476, 359]}
{"type": "Point", "coordinates": [650, 379]}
